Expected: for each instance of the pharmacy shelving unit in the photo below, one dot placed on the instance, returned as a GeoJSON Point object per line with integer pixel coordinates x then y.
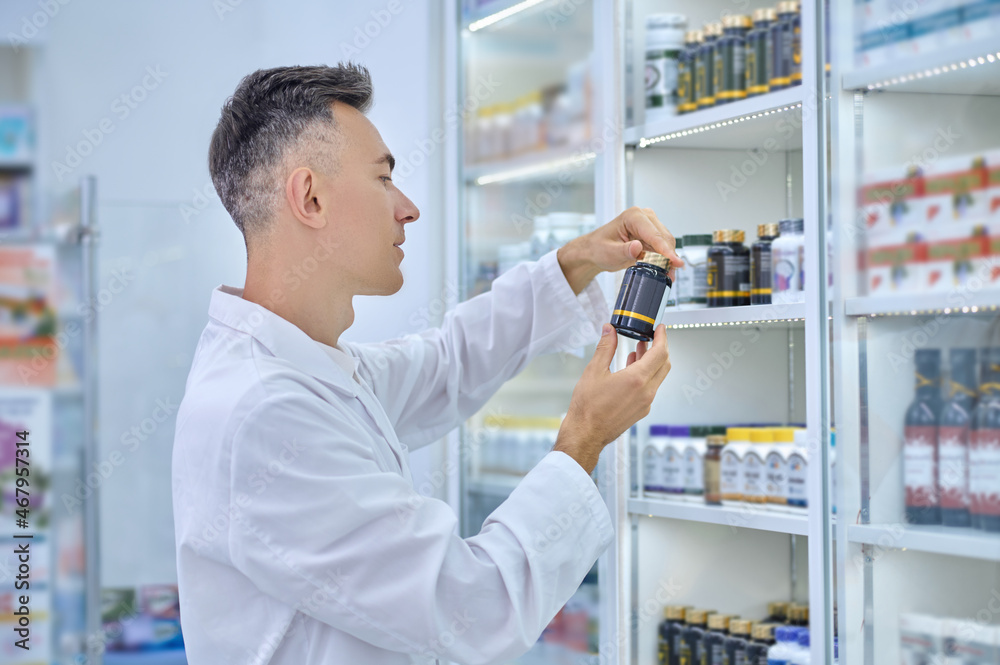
{"type": "Point", "coordinates": [733, 166]}
{"type": "Point", "coordinates": [888, 116]}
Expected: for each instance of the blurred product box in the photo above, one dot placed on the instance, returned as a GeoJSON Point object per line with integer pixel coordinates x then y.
{"type": "Point", "coordinates": [16, 134]}
{"type": "Point", "coordinates": [15, 201]}
{"type": "Point", "coordinates": [147, 619]}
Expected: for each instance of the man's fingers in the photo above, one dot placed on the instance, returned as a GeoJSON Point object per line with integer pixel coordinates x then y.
{"type": "Point", "coordinates": [631, 359]}
{"type": "Point", "coordinates": [652, 233]}
{"type": "Point", "coordinates": [640, 350]}
{"type": "Point", "coordinates": [656, 356]}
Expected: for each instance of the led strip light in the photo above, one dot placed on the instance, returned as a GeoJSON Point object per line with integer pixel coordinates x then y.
{"type": "Point", "coordinates": [534, 169]}
{"type": "Point", "coordinates": [989, 58]}
{"type": "Point", "coordinates": [728, 323]}
{"type": "Point", "coordinates": [643, 143]}
{"type": "Point", "coordinates": [502, 14]}
{"type": "Point", "coordinates": [971, 309]}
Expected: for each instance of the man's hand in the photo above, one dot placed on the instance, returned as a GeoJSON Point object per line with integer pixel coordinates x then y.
{"type": "Point", "coordinates": [615, 246]}
{"type": "Point", "coordinates": [605, 403]}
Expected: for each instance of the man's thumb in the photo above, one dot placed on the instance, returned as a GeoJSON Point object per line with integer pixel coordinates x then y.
{"type": "Point", "coordinates": [606, 346]}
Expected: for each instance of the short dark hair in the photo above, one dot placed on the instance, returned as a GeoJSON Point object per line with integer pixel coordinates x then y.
{"type": "Point", "coordinates": [269, 112]}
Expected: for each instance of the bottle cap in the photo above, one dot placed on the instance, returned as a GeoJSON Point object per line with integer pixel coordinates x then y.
{"type": "Point", "coordinates": [734, 434]}
{"type": "Point", "coordinates": [668, 21]}
{"type": "Point", "coordinates": [713, 29]}
{"type": "Point", "coordinates": [766, 14]}
{"type": "Point", "coordinates": [721, 621]}
{"type": "Point", "coordinates": [654, 259]}
{"type": "Point", "coordinates": [736, 21]}
{"type": "Point", "coordinates": [659, 430]}
{"type": "Point", "coordinates": [741, 626]}
{"type": "Point", "coordinates": [804, 637]}
{"type": "Point", "coordinates": [675, 611]}
{"type": "Point", "coordinates": [788, 7]}
{"type": "Point", "coordinates": [698, 616]}
{"type": "Point", "coordinates": [693, 37]}
{"type": "Point", "coordinates": [791, 226]}
{"type": "Point", "coordinates": [761, 435]}
{"type": "Point", "coordinates": [764, 631]}
{"type": "Point", "coordinates": [700, 431]}
{"type": "Point", "coordinates": [715, 440]}
{"type": "Point", "coordinates": [767, 231]}
{"type": "Point", "coordinates": [784, 435]}
{"type": "Point", "coordinates": [728, 235]}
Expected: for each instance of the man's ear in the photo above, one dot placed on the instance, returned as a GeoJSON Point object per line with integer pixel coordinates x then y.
{"type": "Point", "coordinates": [302, 194]}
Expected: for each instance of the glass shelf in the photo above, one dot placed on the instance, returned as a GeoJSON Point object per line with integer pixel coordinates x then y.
{"type": "Point", "coordinates": [971, 67]}
{"type": "Point", "coordinates": [933, 539]}
{"type": "Point", "coordinates": [733, 316]}
{"type": "Point", "coordinates": [746, 516]}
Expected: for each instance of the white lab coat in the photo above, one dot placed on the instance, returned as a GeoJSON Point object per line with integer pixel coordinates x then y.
{"type": "Point", "coordinates": [300, 537]}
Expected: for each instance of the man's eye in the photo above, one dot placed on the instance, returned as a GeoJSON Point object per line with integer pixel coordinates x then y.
{"type": "Point", "coordinates": [385, 178]}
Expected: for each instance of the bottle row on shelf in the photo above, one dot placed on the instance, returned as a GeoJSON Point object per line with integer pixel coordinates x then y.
{"type": "Point", "coordinates": [888, 31]}
{"type": "Point", "coordinates": [951, 449]}
{"type": "Point", "coordinates": [688, 635]}
{"type": "Point", "coordinates": [761, 466]}
{"type": "Point", "coordinates": [932, 227]}
{"type": "Point", "coordinates": [554, 116]}
{"type": "Point", "coordinates": [728, 60]}
{"type": "Point", "coordinates": [515, 444]}
{"type": "Point", "coordinates": [930, 639]}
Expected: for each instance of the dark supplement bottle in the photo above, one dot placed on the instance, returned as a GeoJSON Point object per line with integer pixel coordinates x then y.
{"type": "Point", "coordinates": [728, 270]}
{"type": "Point", "coordinates": [704, 66]}
{"type": "Point", "coordinates": [735, 647]}
{"type": "Point", "coordinates": [763, 638]}
{"type": "Point", "coordinates": [730, 59]}
{"type": "Point", "coordinates": [920, 453]}
{"type": "Point", "coordinates": [692, 635]}
{"type": "Point", "coordinates": [641, 297]}
{"type": "Point", "coordinates": [760, 264]}
{"type": "Point", "coordinates": [687, 101]}
{"type": "Point", "coordinates": [783, 46]}
{"type": "Point", "coordinates": [713, 643]}
{"type": "Point", "coordinates": [670, 631]}
{"type": "Point", "coordinates": [953, 439]}
{"type": "Point", "coordinates": [984, 451]}
{"type": "Point", "coordinates": [758, 73]}
{"type": "Point", "coordinates": [777, 612]}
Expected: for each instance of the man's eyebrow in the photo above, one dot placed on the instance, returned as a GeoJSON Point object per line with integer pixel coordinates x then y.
{"type": "Point", "coordinates": [387, 157]}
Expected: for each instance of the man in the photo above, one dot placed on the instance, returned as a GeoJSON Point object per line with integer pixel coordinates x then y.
{"type": "Point", "coordinates": [300, 538]}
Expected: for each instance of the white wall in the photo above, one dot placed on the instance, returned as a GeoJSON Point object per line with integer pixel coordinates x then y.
{"type": "Point", "coordinates": [160, 219]}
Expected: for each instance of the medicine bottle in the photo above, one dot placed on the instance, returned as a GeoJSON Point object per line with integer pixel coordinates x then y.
{"type": "Point", "coordinates": [704, 66]}
{"type": "Point", "coordinates": [731, 476]}
{"type": "Point", "coordinates": [787, 263]}
{"type": "Point", "coordinates": [730, 59]}
{"type": "Point", "coordinates": [694, 463]}
{"type": "Point", "coordinates": [781, 650]}
{"type": "Point", "coordinates": [691, 636]}
{"type": "Point", "coordinates": [713, 457]}
{"type": "Point", "coordinates": [641, 297]}
{"type": "Point", "coordinates": [754, 467]}
{"type": "Point", "coordinates": [686, 101]}
{"type": "Point", "coordinates": [762, 639]}
{"type": "Point", "coordinates": [760, 264]}
{"type": "Point", "coordinates": [728, 270]}
{"type": "Point", "coordinates": [652, 459]}
{"type": "Point", "coordinates": [664, 44]}
{"type": "Point", "coordinates": [953, 438]}
{"type": "Point", "coordinates": [777, 465]}
{"type": "Point", "coordinates": [758, 74]}
{"type": "Point", "coordinates": [801, 655]}
{"type": "Point", "coordinates": [786, 65]}
{"type": "Point", "coordinates": [920, 441]}
{"type": "Point", "coordinates": [670, 632]}
{"type": "Point", "coordinates": [777, 612]}
{"type": "Point", "coordinates": [739, 639]}
{"type": "Point", "coordinates": [695, 271]}
{"type": "Point", "coordinates": [798, 473]}
{"type": "Point", "coordinates": [672, 472]}
{"type": "Point", "coordinates": [984, 446]}
{"type": "Point", "coordinates": [713, 643]}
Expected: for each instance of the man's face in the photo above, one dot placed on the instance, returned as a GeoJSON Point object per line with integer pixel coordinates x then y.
{"type": "Point", "coordinates": [368, 213]}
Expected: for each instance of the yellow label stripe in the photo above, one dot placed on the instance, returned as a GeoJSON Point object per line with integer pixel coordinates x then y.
{"type": "Point", "coordinates": [760, 292]}
{"type": "Point", "coordinates": [634, 315]}
{"type": "Point", "coordinates": [731, 94]}
{"type": "Point", "coordinates": [759, 88]}
{"type": "Point", "coordinates": [727, 294]}
{"type": "Point", "coordinates": [781, 81]}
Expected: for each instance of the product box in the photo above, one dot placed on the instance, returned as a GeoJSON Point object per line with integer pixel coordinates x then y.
{"type": "Point", "coordinates": [160, 601]}
{"type": "Point", "coordinates": [954, 253]}
{"type": "Point", "coordinates": [15, 202]}
{"type": "Point", "coordinates": [896, 199]}
{"type": "Point", "coordinates": [936, 24]}
{"type": "Point", "coordinates": [980, 19]}
{"type": "Point", "coordinates": [919, 639]}
{"type": "Point", "coordinates": [896, 268]}
{"type": "Point", "coordinates": [966, 178]}
{"type": "Point", "coordinates": [968, 642]}
{"type": "Point", "coordinates": [16, 134]}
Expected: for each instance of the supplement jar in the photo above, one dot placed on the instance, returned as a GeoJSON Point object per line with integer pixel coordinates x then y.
{"type": "Point", "coordinates": [641, 297]}
{"type": "Point", "coordinates": [953, 438]}
{"type": "Point", "coordinates": [691, 636]}
{"type": "Point", "coordinates": [730, 59]}
{"type": "Point", "coordinates": [787, 269]}
{"type": "Point", "coordinates": [754, 468]}
{"type": "Point", "coordinates": [920, 441]}
{"type": "Point", "coordinates": [731, 475]}
{"type": "Point", "coordinates": [673, 461]}
{"type": "Point", "coordinates": [786, 64]}
{"type": "Point", "coordinates": [736, 644]}
{"type": "Point", "coordinates": [704, 66]}
{"type": "Point", "coordinates": [694, 463]}
{"type": "Point", "coordinates": [758, 75]}
{"type": "Point", "coordinates": [686, 101]}
{"type": "Point", "coordinates": [652, 459]}
{"type": "Point", "coordinates": [763, 638]}
{"type": "Point", "coordinates": [664, 43]}
{"type": "Point", "coordinates": [694, 293]}
{"type": "Point", "coordinates": [760, 264]}
{"type": "Point", "coordinates": [713, 458]}
{"type": "Point", "coordinates": [798, 465]}
{"type": "Point", "coordinates": [777, 465]}
{"type": "Point", "coordinates": [728, 270]}
{"type": "Point", "coordinates": [670, 633]}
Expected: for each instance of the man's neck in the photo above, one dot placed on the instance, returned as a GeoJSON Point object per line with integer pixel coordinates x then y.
{"type": "Point", "coordinates": [322, 314]}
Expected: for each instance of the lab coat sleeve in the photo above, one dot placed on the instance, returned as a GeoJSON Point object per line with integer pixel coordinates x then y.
{"type": "Point", "coordinates": [430, 382]}
{"type": "Point", "coordinates": [355, 547]}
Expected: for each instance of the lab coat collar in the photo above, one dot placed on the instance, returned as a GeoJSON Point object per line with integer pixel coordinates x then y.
{"type": "Point", "coordinates": [281, 337]}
